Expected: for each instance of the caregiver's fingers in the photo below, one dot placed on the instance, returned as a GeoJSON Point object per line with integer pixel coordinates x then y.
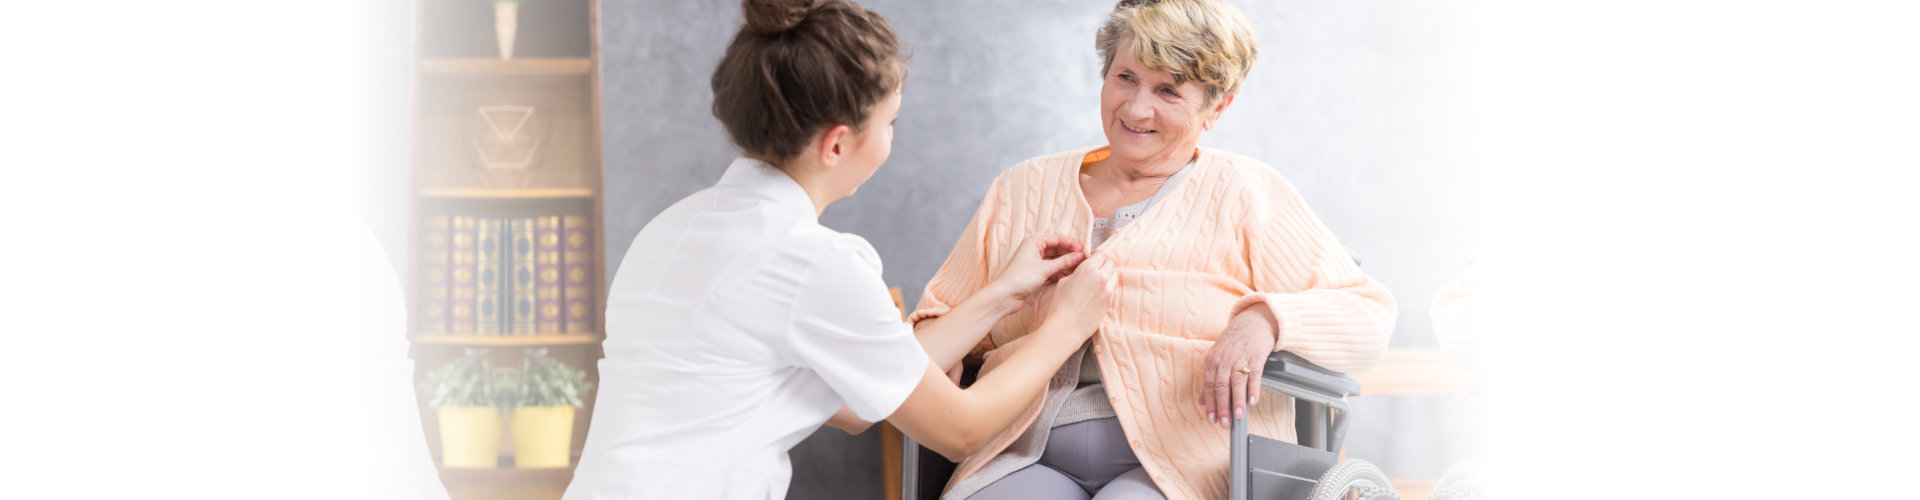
{"type": "Point", "coordinates": [1063, 266]}
{"type": "Point", "coordinates": [1048, 246]}
{"type": "Point", "coordinates": [1060, 244]}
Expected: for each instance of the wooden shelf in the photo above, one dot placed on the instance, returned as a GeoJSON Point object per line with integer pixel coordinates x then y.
{"type": "Point", "coordinates": [1414, 372]}
{"type": "Point", "coordinates": [506, 482]}
{"type": "Point", "coordinates": [509, 340]}
{"type": "Point", "coordinates": [507, 194]}
{"type": "Point", "coordinates": [560, 66]}
{"type": "Point", "coordinates": [507, 474]}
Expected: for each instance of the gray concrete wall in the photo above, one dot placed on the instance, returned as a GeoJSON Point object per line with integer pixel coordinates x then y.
{"type": "Point", "coordinates": [1348, 101]}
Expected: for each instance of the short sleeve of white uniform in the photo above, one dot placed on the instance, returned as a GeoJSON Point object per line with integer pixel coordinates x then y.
{"type": "Point", "coordinates": [846, 329]}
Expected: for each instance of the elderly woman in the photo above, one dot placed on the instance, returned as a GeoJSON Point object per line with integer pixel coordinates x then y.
{"type": "Point", "coordinates": [1220, 263]}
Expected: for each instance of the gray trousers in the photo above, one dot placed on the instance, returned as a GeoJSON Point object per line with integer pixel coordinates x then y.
{"type": "Point", "coordinates": [1083, 461]}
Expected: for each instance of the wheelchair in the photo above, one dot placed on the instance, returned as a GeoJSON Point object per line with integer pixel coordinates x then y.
{"type": "Point", "coordinates": [1268, 469]}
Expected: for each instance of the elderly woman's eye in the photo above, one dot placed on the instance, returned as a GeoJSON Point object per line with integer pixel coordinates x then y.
{"type": "Point", "coordinates": [1170, 92]}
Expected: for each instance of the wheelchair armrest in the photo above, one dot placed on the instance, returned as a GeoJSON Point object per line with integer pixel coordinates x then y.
{"type": "Point", "coordinates": [1294, 374]}
{"type": "Point", "coordinates": [1321, 396]}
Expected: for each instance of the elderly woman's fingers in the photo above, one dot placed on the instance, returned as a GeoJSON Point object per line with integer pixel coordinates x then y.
{"type": "Point", "coordinates": [1214, 392]}
{"type": "Point", "coordinates": [1223, 394]}
{"type": "Point", "coordinates": [1237, 384]}
{"type": "Point", "coordinates": [1207, 377]}
{"type": "Point", "coordinates": [1259, 364]}
{"type": "Point", "coordinates": [1222, 402]}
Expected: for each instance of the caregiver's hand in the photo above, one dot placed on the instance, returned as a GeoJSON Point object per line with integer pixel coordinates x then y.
{"type": "Point", "coordinates": [1231, 378]}
{"type": "Point", "coordinates": [1082, 299]}
{"type": "Point", "coordinates": [1038, 260]}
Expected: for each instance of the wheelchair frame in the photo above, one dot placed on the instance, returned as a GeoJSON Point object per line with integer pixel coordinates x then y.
{"type": "Point", "coordinates": [1259, 467]}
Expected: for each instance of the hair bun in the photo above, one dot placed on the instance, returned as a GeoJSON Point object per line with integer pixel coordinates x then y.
{"type": "Point", "coordinates": [774, 16]}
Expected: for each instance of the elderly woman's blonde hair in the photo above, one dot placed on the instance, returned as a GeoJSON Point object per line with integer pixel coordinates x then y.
{"type": "Point", "coordinates": [1204, 40]}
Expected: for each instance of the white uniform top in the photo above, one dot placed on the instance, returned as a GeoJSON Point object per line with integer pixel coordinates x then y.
{"type": "Point", "coordinates": [736, 326]}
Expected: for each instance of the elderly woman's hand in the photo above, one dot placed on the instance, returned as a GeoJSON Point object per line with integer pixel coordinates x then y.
{"type": "Point", "coordinates": [1231, 378]}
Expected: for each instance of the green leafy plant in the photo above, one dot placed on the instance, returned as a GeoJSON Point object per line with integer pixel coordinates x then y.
{"type": "Point", "coordinates": [469, 381]}
{"type": "Point", "coordinates": [544, 381]}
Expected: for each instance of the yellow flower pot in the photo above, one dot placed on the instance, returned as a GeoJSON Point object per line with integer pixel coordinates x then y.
{"type": "Point", "coordinates": [542, 436]}
{"type": "Point", "coordinates": [470, 436]}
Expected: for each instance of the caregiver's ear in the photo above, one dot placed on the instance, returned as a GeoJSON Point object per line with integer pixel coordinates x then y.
{"type": "Point", "coordinates": [834, 143]}
{"type": "Point", "coordinates": [1213, 115]}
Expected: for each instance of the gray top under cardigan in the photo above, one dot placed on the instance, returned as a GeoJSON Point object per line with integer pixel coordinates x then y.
{"type": "Point", "coordinates": [1074, 394]}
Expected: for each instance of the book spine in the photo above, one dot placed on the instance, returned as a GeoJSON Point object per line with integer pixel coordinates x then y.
{"type": "Point", "coordinates": [434, 275]}
{"type": "Point", "coordinates": [487, 308]}
{"type": "Point", "coordinates": [520, 291]}
{"type": "Point", "coordinates": [546, 288]}
{"type": "Point", "coordinates": [465, 256]}
{"type": "Point", "coordinates": [577, 260]}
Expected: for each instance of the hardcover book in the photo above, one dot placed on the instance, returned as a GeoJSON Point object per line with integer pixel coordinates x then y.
{"type": "Point", "coordinates": [489, 316]}
{"type": "Point", "coordinates": [435, 254]}
{"type": "Point", "coordinates": [520, 288]}
{"type": "Point", "coordinates": [546, 254]}
{"type": "Point", "coordinates": [577, 260]}
{"type": "Point", "coordinates": [465, 253]}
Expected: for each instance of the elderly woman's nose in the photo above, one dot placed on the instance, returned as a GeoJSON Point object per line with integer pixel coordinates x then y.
{"type": "Point", "coordinates": [1136, 107]}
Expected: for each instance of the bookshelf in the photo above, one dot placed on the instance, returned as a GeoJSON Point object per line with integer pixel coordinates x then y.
{"type": "Point", "coordinates": [478, 66]}
{"type": "Point", "coordinates": [508, 341]}
{"type": "Point", "coordinates": [507, 194]}
{"type": "Point", "coordinates": [458, 176]}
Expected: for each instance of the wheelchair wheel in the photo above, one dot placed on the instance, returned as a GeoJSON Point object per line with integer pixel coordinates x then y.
{"type": "Point", "coordinates": [1353, 479]}
{"type": "Point", "coordinates": [1461, 482]}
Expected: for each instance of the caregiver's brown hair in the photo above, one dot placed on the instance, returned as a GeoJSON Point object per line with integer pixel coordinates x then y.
{"type": "Point", "coordinates": [800, 66]}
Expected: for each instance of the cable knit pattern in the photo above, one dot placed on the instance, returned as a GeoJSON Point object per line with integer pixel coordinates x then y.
{"type": "Point", "coordinates": [1234, 233]}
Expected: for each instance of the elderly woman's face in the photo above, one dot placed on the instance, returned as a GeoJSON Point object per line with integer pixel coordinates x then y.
{"type": "Point", "coordinates": [1147, 116]}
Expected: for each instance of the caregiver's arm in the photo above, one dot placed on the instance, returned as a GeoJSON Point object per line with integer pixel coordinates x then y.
{"type": "Point", "coordinates": [976, 257]}
{"type": "Point", "coordinates": [954, 422]}
{"type": "Point", "coordinates": [1038, 261]}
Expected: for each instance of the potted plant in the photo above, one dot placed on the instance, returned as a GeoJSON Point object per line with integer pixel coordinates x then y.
{"type": "Point", "coordinates": [506, 22]}
{"type": "Point", "coordinates": [545, 392]}
{"type": "Point", "coordinates": [467, 395]}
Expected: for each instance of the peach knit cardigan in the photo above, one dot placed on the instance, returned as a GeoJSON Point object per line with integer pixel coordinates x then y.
{"type": "Point", "coordinates": [1232, 234]}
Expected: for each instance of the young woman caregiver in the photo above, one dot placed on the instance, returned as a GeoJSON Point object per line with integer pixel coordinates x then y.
{"type": "Point", "coordinates": [738, 324]}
